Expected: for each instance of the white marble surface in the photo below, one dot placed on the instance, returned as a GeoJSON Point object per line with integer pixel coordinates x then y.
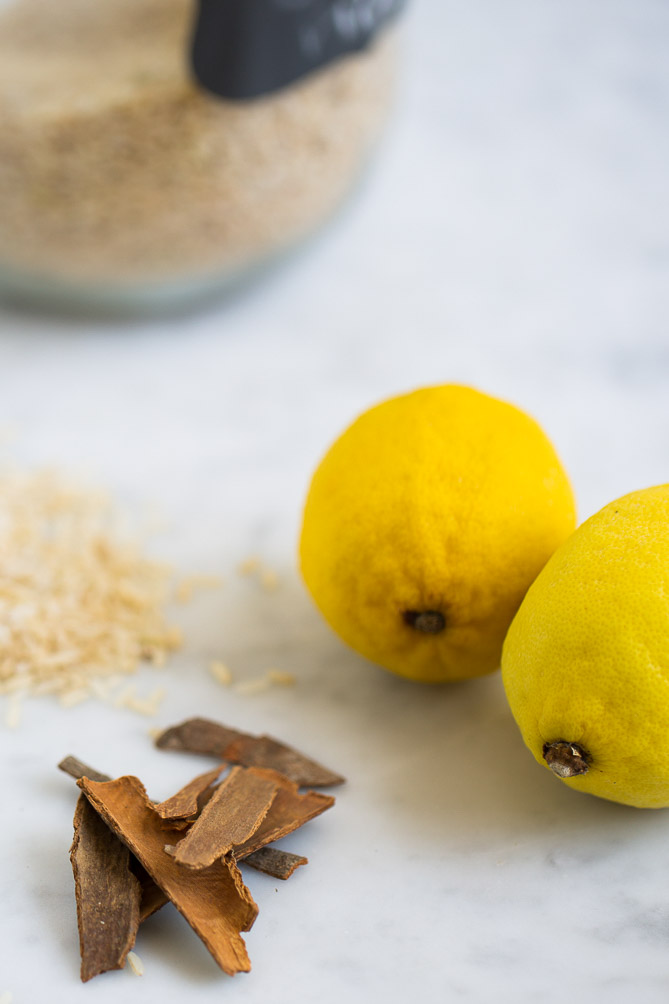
{"type": "Point", "coordinates": [513, 235]}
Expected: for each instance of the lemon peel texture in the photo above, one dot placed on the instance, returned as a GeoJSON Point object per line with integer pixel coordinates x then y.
{"type": "Point", "coordinates": [424, 525]}
{"type": "Point", "coordinates": [586, 660]}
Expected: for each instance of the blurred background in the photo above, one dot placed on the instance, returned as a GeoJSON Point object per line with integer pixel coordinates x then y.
{"type": "Point", "coordinates": [510, 232]}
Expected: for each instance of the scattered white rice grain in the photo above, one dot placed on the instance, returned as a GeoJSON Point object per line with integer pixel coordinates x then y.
{"type": "Point", "coordinates": [220, 672]}
{"type": "Point", "coordinates": [135, 963]}
{"type": "Point", "coordinates": [155, 656]}
{"type": "Point", "coordinates": [183, 593]}
{"type": "Point", "coordinates": [101, 687]}
{"type": "Point", "coordinates": [70, 698]}
{"type": "Point", "coordinates": [14, 711]}
{"type": "Point", "coordinates": [267, 577]}
{"type": "Point", "coordinates": [139, 706]}
{"type": "Point", "coordinates": [248, 566]}
{"type": "Point", "coordinates": [47, 687]}
{"type": "Point", "coordinates": [128, 693]}
{"type": "Point", "coordinates": [66, 658]}
{"type": "Point", "coordinates": [156, 698]}
{"type": "Point", "coordinates": [281, 679]}
{"type": "Point", "coordinates": [173, 637]}
{"type": "Point", "coordinates": [188, 586]}
{"type": "Point", "coordinates": [142, 705]}
{"type": "Point", "coordinates": [13, 685]}
{"type": "Point", "coordinates": [269, 580]}
{"type": "Point", "coordinates": [132, 596]}
{"type": "Point", "coordinates": [249, 688]}
{"type": "Point", "coordinates": [272, 678]}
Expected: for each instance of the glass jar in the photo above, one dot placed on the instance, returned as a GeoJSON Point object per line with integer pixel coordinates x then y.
{"type": "Point", "coordinates": [124, 182]}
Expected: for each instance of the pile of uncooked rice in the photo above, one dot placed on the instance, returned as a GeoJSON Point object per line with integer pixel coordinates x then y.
{"type": "Point", "coordinates": [78, 604]}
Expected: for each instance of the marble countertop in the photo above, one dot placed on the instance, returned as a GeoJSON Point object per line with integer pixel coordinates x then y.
{"type": "Point", "coordinates": [513, 235]}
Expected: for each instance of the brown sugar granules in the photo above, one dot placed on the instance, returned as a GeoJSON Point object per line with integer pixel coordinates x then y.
{"type": "Point", "coordinates": [116, 166]}
{"type": "Point", "coordinates": [76, 602]}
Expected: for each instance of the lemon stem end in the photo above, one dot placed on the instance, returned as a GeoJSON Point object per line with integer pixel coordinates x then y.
{"type": "Point", "coordinates": [425, 621]}
{"type": "Point", "coordinates": [566, 759]}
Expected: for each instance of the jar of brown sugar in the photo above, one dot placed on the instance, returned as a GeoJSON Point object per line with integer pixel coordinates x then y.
{"type": "Point", "coordinates": [152, 151]}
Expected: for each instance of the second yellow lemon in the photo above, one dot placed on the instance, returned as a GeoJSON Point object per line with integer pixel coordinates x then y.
{"type": "Point", "coordinates": [425, 524]}
{"type": "Point", "coordinates": [586, 660]}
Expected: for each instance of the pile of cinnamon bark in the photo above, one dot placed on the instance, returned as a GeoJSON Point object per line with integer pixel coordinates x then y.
{"type": "Point", "coordinates": [130, 855]}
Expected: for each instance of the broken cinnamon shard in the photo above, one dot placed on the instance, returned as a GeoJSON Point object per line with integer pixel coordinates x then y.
{"type": "Point", "coordinates": [188, 800]}
{"type": "Point", "coordinates": [107, 893]}
{"type": "Point", "coordinates": [263, 751]}
{"type": "Point", "coordinates": [231, 816]}
{"type": "Point", "coordinates": [77, 768]}
{"type": "Point", "coordinates": [200, 735]}
{"type": "Point", "coordinates": [288, 812]}
{"type": "Point", "coordinates": [152, 898]}
{"type": "Point", "coordinates": [272, 861]}
{"type": "Point", "coordinates": [213, 900]}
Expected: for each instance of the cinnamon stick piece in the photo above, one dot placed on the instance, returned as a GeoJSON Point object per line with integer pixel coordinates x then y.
{"type": "Point", "coordinates": [213, 900]}
{"type": "Point", "coordinates": [188, 800]}
{"type": "Point", "coordinates": [197, 735]}
{"type": "Point", "coordinates": [200, 735]}
{"type": "Point", "coordinates": [280, 864]}
{"type": "Point", "coordinates": [231, 816]}
{"type": "Point", "coordinates": [77, 768]}
{"type": "Point", "coordinates": [277, 863]}
{"type": "Point", "coordinates": [107, 893]}
{"type": "Point", "coordinates": [264, 751]}
{"type": "Point", "coordinates": [151, 897]}
{"type": "Point", "coordinates": [288, 812]}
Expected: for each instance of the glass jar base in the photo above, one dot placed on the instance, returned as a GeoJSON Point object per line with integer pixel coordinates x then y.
{"type": "Point", "coordinates": [42, 293]}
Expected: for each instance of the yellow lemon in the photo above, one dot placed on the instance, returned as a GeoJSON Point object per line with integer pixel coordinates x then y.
{"type": "Point", "coordinates": [586, 660]}
{"type": "Point", "coordinates": [425, 524]}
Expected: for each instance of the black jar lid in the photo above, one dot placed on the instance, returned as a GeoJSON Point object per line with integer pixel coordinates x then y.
{"type": "Point", "coordinates": [248, 48]}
